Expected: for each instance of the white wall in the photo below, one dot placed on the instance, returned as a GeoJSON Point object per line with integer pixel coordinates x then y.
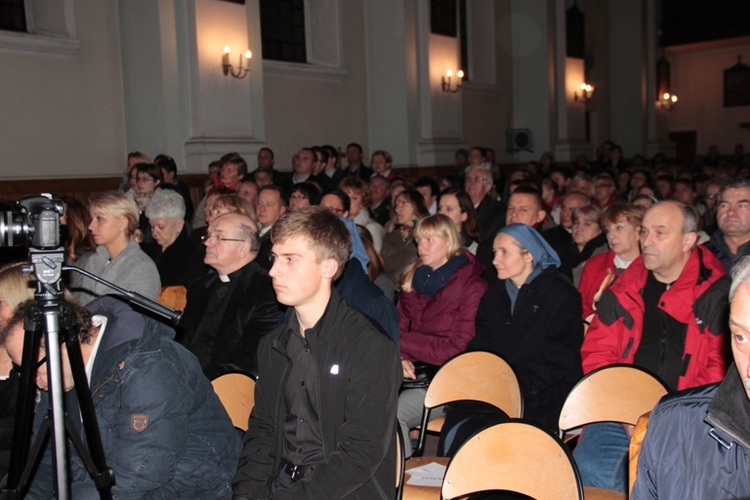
{"type": "Point", "coordinates": [62, 115]}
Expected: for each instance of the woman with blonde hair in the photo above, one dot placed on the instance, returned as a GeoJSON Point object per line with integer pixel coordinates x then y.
{"type": "Point", "coordinates": [440, 295]}
{"type": "Point", "coordinates": [15, 289]}
{"type": "Point", "coordinates": [117, 258]}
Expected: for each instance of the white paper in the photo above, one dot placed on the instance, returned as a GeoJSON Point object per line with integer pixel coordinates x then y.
{"type": "Point", "coordinates": [427, 475]}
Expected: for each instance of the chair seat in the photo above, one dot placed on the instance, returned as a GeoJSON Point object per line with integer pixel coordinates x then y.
{"type": "Point", "coordinates": [411, 492]}
{"type": "Point", "coordinates": [591, 493]}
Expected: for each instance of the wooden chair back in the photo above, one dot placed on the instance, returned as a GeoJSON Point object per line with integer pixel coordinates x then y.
{"type": "Point", "coordinates": [616, 393]}
{"type": "Point", "coordinates": [471, 376]}
{"type": "Point", "coordinates": [173, 296]}
{"type": "Point", "coordinates": [515, 456]}
{"type": "Point", "coordinates": [400, 463]}
{"type": "Point", "coordinates": [237, 393]}
{"type": "Point", "coordinates": [636, 441]}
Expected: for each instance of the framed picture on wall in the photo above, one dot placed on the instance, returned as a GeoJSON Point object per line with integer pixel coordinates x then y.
{"type": "Point", "coordinates": [443, 19]}
{"type": "Point", "coordinates": [737, 85]}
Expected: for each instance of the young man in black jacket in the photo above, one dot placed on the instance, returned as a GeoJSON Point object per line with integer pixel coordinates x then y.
{"type": "Point", "coordinates": [323, 425]}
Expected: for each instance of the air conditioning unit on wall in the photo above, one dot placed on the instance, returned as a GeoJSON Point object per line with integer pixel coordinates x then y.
{"type": "Point", "coordinates": [519, 139]}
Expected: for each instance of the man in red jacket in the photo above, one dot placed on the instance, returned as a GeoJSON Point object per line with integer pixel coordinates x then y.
{"type": "Point", "coordinates": [667, 313]}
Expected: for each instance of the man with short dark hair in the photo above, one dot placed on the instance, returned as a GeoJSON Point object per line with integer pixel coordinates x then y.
{"type": "Point", "coordinates": [560, 237]}
{"type": "Point", "coordinates": [698, 441]}
{"type": "Point", "coordinates": [666, 313]}
{"type": "Point", "coordinates": [731, 241]}
{"type": "Point", "coordinates": [355, 165]}
{"type": "Point", "coordinates": [271, 204]}
{"type": "Point", "coordinates": [380, 189]}
{"type": "Point", "coordinates": [164, 432]}
{"type": "Point", "coordinates": [323, 425]}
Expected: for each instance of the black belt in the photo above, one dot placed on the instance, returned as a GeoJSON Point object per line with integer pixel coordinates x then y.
{"type": "Point", "coordinates": [296, 472]}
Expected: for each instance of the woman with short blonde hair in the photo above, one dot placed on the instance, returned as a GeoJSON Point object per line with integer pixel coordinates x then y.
{"type": "Point", "coordinates": [117, 258]}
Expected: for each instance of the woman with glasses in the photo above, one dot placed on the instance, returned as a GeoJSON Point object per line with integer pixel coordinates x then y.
{"type": "Point", "coordinates": [148, 179]}
{"type": "Point", "coordinates": [118, 258]}
{"type": "Point", "coordinates": [303, 195]}
{"type": "Point", "coordinates": [399, 247]}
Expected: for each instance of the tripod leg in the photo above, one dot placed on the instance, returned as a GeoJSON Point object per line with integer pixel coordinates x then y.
{"type": "Point", "coordinates": [103, 476]}
{"type": "Point", "coordinates": [57, 410]}
{"type": "Point", "coordinates": [25, 403]}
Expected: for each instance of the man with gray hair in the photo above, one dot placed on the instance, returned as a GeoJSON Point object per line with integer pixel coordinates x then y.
{"type": "Point", "coordinates": [731, 241]}
{"type": "Point", "coordinates": [490, 212]}
{"type": "Point", "coordinates": [666, 313]}
{"type": "Point", "coordinates": [229, 310]}
{"type": "Point", "coordinates": [698, 441]}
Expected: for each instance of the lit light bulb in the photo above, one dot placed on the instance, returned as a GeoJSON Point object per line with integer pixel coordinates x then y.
{"type": "Point", "coordinates": [248, 54]}
{"type": "Point", "coordinates": [227, 50]}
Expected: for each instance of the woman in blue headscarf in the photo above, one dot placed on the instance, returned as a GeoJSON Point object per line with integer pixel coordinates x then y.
{"type": "Point", "coordinates": [531, 316]}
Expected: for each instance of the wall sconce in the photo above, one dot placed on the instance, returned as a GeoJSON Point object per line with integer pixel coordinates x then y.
{"type": "Point", "coordinates": [586, 92]}
{"type": "Point", "coordinates": [448, 85]}
{"type": "Point", "coordinates": [667, 101]}
{"type": "Point", "coordinates": [229, 69]}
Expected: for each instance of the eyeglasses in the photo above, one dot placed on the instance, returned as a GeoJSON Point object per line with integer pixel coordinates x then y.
{"type": "Point", "coordinates": [216, 238]}
{"type": "Point", "coordinates": [335, 210]}
{"type": "Point", "coordinates": [402, 203]}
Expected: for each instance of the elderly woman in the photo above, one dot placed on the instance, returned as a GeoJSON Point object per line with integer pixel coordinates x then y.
{"type": "Point", "coordinates": [439, 298]}
{"type": "Point", "coordinates": [359, 208]}
{"type": "Point", "coordinates": [118, 258]}
{"type": "Point", "coordinates": [399, 247]}
{"type": "Point", "coordinates": [177, 258]}
{"type": "Point", "coordinates": [621, 225]}
{"type": "Point", "coordinates": [456, 204]}
{"type": "Point", "coordinates": [588, 238]}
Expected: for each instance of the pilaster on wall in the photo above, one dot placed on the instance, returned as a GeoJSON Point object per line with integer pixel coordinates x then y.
{"type": "Point", "coordinates": [177, 99]}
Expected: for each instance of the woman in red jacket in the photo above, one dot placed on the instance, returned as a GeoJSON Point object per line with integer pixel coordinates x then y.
{"type": "Point", "coordinates": [621, 223]}
{"type": "Point", "coordinates": [440, 294]}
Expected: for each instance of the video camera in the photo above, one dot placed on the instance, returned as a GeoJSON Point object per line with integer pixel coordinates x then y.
{"type": "Point", "coordinates": [35, 223]}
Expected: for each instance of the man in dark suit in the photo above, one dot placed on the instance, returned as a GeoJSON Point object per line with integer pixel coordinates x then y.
{"type": "Point", "coordinates": [490, 212]}
{"type": "Point", "coordinates": [228, 311]}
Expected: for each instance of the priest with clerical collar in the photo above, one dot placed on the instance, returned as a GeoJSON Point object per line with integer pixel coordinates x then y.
{"type": "Point", "coordinates": [230, 309]}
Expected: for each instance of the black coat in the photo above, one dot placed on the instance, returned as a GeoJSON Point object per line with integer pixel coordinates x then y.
{"type": "Point", "coordinates": [181, 263]}
{"type": "Point", "coordinates": [541, 339]}
{"type": "Point", "coordinates": [358, 376]}
{"type": "Point", "coordinates": [491, 217]}
{"type": "Point", "coordinates": [251, 313]}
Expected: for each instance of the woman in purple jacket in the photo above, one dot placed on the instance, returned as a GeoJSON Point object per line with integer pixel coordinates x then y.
{"type": "Point", "coordinates": [440, 294]}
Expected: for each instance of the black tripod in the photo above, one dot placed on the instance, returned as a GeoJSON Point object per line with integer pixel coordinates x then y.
{"type": "Point", "coordinates": [55, 319]}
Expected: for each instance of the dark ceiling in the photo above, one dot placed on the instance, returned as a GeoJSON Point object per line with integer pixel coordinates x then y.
{"type": "Point", "coordinates": [691, 21]}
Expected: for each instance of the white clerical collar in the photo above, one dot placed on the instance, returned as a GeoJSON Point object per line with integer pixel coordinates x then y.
{"type": "Point", "coordinates": [224, 278]}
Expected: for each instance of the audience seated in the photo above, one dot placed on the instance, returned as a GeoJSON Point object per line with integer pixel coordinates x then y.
{"type": "Point", "coordinates": [588, 238]}
{"type": "Point", "coordinates": [117, 258]}
{"type": "Point", "coordinates": [303, 195]}
{"type": "Point", "coordinates": [439, 297]}
{"type": "Point", "coordinates": [230, 309]}
{"type": "Point", "coordinates": [456, 204]}
{"type": "Point", "coordinates": [74, 229]}
{"type": "Point", "coordinates": [375, 267]}
{"type": "Point", "coordinates": [178, 259]}
{"type": "Point", "coordinates": [354, 162]}
{"type": "Point", "coordinates": [667, 313]}
{"type": "Point", "coordinates": [531, 316]}
{"type": "Point", "coordinates": [490, 212]}
{"type": "Point", "coordinates": [380, 194]}
{"type": "Point", "coordinates": [360, 201]}
{"type": "Point", "coordinates": [622, 225]}
{"type": "Point", "coordinates": [698, 441]}
{"type": "Point", "coordinates": [731, 241]}
{"type": "Point", "coordinates": [272, 204]}
{"type": "Point", "coordinates": [399, 247]}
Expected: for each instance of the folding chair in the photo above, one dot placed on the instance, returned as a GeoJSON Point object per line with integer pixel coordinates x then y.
{"type": "Point", "coordinates": [237, 393]}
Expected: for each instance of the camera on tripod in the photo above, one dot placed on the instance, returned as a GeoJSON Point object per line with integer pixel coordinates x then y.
{"type": "Point", "coordinates": [35, 223]}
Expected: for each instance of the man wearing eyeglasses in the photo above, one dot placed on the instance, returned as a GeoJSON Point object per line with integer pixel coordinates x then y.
{"type": "Point", "coordinates": [230, 309]}
{"type": "Point", "coordinates": [490, 212]}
